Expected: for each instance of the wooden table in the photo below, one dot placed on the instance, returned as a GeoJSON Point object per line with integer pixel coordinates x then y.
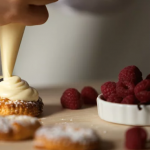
{"type": "Point", "coordinates": [112, 135]}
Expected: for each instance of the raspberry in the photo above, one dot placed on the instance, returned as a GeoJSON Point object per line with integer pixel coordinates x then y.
{"type": "Point", "coordinates": [89, 95]}
{"type": "Point", "coordinates": [142, 91]}
{"type": "Point", "coordinates": [108, 88]}
{"type": "Point", "coordinates": [125, 88]}
{"type": "Point", "coordinates": [148, 76]}
{"type": "Point", "coordinates": [114, 98]}
{"type": "Point", "coordinates": [130, 74]}
{"type": "Point", "coordinates": [130, 99]}
{"type": "Point", "coordinates": [136, 138]}
{"type": "Point", "coordinates": [71, 99]}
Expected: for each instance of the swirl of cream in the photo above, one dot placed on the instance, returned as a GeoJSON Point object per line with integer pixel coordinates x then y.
{"type": "Point", "coordinates": [14, 88]}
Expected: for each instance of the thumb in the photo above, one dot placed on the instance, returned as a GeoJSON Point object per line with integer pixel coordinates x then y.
{"type": "Point", "coordinates": [35, 15]}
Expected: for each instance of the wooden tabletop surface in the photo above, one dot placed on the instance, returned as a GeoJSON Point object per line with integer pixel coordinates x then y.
{"type": "Point", "coordinates": [112, 135]}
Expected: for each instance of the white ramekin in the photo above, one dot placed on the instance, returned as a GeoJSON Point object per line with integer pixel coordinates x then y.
{"type": "Point", "coordinates": [123, 114]}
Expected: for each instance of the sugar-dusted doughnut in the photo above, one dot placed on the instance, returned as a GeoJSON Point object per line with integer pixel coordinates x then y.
{"type": "Point", "coordinates": [15, 127]}
{"type": "Point", "coordinates": [66, 137]}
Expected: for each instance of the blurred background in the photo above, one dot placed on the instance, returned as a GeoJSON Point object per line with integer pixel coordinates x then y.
{"type": "Point", "coordinates": [86, 41]}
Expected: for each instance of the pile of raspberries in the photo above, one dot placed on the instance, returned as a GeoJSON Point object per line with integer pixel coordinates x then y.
{"type": "Point", "coordinates": [73, 99]}
{"type": "Point", "coordinates": [130, 89]}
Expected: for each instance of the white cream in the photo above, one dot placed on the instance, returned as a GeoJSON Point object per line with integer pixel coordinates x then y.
{"type": "Point", "coordinates": [16, 89]}
{"type": "Point", "coordinates": [13, 87]}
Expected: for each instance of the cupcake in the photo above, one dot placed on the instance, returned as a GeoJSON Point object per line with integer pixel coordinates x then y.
{"type": "Point", "coordinates": [18, 98]}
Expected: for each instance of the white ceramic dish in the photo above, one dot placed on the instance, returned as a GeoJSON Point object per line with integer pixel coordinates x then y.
{"type": "Point", "coordinates": [123, 114]}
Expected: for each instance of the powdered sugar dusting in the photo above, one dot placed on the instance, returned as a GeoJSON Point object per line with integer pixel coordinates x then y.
{"type": "Point", "coordinates": [22, 119]}
{"type": "Point", "coordinates": [6, 122]}
{"type": "Point", "coordinates": [17, 103]}
{"type": "Point", "coordinates": [74, 133]}
{"type": "Point", "coordinates": [4, 125]}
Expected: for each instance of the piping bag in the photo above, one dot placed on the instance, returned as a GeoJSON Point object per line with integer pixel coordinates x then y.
{"type": "Point", "coordinates": [10, 40]}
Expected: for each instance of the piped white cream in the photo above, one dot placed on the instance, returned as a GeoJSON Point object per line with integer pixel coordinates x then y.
{"type": "Point", "coordinates": [13, 87]}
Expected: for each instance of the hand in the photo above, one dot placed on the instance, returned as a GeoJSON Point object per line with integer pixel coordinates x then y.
{"type": "Point", "coordinates": [27, 12]}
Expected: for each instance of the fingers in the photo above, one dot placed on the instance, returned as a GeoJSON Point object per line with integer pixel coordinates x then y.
{"type": "Point", "coordinates": [20, 11]}
{"type": "Point", "coordinates": [41, 2]}
{"type": "Point", "coordinates": [35, 15]}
